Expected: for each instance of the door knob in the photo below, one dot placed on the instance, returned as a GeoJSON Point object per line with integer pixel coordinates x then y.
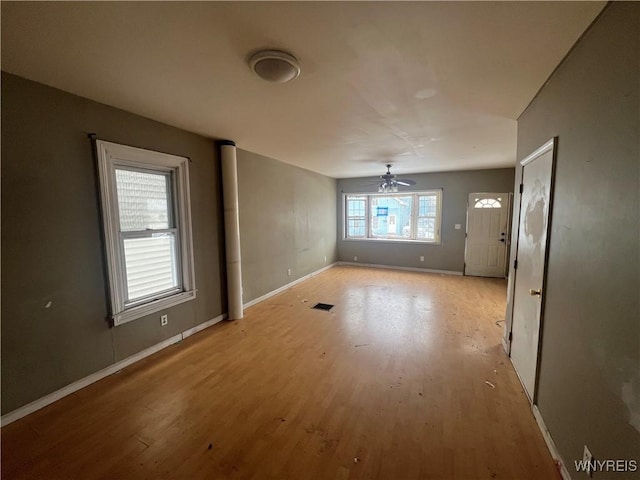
{"type": "Point", "coordinates": [535, 293]}
{"type": "Point", "coordinates": [502, 240]}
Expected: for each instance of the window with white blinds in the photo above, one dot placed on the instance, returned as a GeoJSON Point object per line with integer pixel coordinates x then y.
{"type": "Point", "coordinates": [148, 233]}
{"type": "Point", "coordinates": [145, 199]}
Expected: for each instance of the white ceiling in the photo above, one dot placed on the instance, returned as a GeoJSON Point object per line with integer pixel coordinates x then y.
{"type": "Point", "coordinates": [427, 86]}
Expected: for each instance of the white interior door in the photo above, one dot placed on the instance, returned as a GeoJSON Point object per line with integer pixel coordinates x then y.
{"type": "Point", "coordinates": [487, 235]}
{"type": "Point", "coordinates": [535, 208]}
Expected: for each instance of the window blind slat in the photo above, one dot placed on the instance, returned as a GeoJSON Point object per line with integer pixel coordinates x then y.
{"type": "Point", "coordinates": [150, 265]}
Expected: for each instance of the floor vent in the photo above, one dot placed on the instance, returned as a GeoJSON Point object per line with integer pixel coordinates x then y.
{"type": "Point", "coordinates": [323, 306]}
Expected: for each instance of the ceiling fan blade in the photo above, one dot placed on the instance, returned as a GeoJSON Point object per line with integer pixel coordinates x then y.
{"type": "Point", "coordinates": [406, 182]}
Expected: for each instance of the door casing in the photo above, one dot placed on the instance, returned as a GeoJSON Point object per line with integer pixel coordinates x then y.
{"type": "Point", "coordinates": [552, 146]}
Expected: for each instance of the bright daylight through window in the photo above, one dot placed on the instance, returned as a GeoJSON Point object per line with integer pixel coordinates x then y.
{"type": "Point", "coordinates": [145, 202]}
{"type": "Point", "coordinates": [488, 203]}
{"type": "Point", "coordinates": [402, 216]}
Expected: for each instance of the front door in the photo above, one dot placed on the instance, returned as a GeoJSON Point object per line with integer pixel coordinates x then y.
{"type": "Point", "coordinates": [535, 209]}
{"type": "Point", "coordinates": [487, 235]}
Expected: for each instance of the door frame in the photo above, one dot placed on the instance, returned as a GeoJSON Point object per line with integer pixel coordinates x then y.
{"type": "Point", "coordinates": [507, 244]}
{"type": "Point", "coordinates": [552, 145]}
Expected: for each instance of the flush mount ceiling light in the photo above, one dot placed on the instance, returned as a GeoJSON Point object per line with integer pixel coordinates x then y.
{"type": "Point", "coordinates": [275, 65]}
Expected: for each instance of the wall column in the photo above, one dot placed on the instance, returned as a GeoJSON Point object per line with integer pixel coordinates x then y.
{"type": "Point", "coordinates": [231, 228]}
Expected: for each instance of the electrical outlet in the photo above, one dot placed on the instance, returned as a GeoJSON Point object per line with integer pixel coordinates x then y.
{"type": "Point", "coordinates": [164, 319]}
{"type": "Point", "coordinates": [325, 259]}
{"type": "Point", "coordinates": [288, 271]}
{"type": "Point", "coordinates": [355, 259]}
{"type": "Point", "coordinates": [422, 258]}
{"type": "Point", "coordinates": [587, 458]}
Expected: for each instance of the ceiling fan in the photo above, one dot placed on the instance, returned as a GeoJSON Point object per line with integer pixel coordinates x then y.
{"type": "Point", "coordinates": [390, 183]}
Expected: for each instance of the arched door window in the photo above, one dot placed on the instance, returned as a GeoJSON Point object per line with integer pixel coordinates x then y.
{"type": "Point", "coordinates": [488, 203]}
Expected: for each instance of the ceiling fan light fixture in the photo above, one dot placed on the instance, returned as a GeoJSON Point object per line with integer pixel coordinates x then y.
{"type": "Point", "coordinates": [390, 183]}
{"type": "Point", "coordinates": [275, 66]}
{"type": "Point", "coordinates": [388, 187]}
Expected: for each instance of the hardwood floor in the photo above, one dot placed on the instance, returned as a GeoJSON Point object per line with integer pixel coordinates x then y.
{"type": "Point", "coordinates": [404, 378]}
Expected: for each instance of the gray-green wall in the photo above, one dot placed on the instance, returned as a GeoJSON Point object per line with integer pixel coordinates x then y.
{"type": "Point", "coordinates": [287, 221]}
{"type": "Point", "coordinates": [449, 255]}
{"type": "Point", "coordinates": [52, 248]}
{"type": "Point", "coordinates": [589, 376]}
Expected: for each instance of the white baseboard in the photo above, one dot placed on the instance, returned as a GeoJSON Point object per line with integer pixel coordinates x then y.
{"type": "Point", "coordinates": [285, 287]}
{"type": "Point", "coordinates": [99, 375]}
{"type": "Point", "coordinates": [550, 444]}
{"type": "Point", "coordinates": [411, 269]}
{"type": "Point", "coordinates": [202, 326]}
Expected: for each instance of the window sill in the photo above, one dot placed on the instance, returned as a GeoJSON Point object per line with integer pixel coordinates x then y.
{"type": "Point", "coordinates": [389, 240]}
{"type": "Point", "coordinates": [152, 307]}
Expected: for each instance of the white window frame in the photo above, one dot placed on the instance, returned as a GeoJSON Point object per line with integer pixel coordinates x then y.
{"type": "Point", "coordinates": [414, 217]}
{"type": "Point", "coordinates": [364, 218]}
{"type": "Point", "coordinates": [111, 156]}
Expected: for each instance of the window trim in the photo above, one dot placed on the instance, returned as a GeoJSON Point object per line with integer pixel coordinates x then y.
{"type": "Point", "coordinates": [111, 155]}
{"type": "Point", "coordinates": [364, 217]}
{"type": "Point", "coordinates": [414, 216]}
